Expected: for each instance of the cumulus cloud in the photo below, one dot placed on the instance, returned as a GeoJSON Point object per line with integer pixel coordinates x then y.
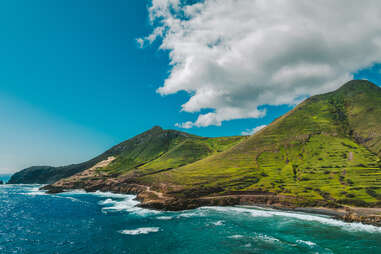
{"type": "Point", "coordinates": [233, 56]}
{"type": "Point", "coordinates": [185, 125]}
{"type": "Point", "coordinates": [254, 130]}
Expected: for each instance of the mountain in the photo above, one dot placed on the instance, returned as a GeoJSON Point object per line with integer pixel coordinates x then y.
{"type": "Point", "coordinates": [325, 152]}
{"type": "Point", "coordinates": [155, 149]}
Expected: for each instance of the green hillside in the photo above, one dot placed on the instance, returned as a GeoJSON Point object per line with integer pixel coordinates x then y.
{"type": "Point", "coordinates": [151, 151]}
{"type": "Point", "coordinates": [161, 150]}
{"type": "Point", "coordinates": [325, 150]}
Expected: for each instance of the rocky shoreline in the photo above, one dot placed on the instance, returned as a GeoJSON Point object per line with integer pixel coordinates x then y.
{"type": "Point", "coordinates": [152, 199]}
{"type": "Point", "coordinates": [176, 198]}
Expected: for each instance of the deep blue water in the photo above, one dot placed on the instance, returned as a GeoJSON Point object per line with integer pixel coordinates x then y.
{"type": "Point", "coordinates": [76, 222]}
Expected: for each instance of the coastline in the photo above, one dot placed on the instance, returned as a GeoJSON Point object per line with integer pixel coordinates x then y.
{"type": "Point", "coordinates": [154, 200]}
{"type": "Point", "coordinates": [116, 218]}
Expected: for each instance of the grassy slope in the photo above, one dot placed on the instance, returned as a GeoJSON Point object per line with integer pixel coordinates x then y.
{"type": "Point", "coordinates": [151, 151]}
{"type": "Point", "coordinates": [161, 150]}
{"type": "Point", "coordinates": [324, 149]}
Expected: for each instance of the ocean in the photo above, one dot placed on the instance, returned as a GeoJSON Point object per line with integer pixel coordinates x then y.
{"type": "Point", "coordinates": [77, 222]}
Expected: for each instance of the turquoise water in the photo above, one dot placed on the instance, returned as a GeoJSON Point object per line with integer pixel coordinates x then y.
{"type": "Point", "coordinates": [4, 178]}
{"type": "Point", "coordinates": [34, 222]}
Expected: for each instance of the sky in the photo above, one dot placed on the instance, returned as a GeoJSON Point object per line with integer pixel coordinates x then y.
{"type": "Point", "coordinates": [77, 77]}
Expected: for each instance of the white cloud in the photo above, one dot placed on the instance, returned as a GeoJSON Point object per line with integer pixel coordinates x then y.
{"type": "Point", "coordinates": [185, 125]}
{"type": "Point", "coordinates": [232, 56]}
{"type": "Point", "coordinates": [254, 130]}
{"type": "Point", "coordinates": [158, 32]}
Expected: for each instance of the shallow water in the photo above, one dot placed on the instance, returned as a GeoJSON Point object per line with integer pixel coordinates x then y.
{"type": "Point", "coordinates": [34, 222]}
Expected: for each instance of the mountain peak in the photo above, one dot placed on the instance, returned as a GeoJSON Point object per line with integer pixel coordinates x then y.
{"type": "Point", "coordinates": [157, 130]}
{"type": "Point", "coordinates": [154, 130]}
{"type": "Point", "coordinates": [156, 127]}
{"type": "Point", "coordinates": [358, 84]}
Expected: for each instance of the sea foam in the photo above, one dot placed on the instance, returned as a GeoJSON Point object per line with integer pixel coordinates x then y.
{"type": "Point", "coordinates": [218, 223]}
{"type": "Point", "coordinates": [235, 236]}
{"type": "Point", "coordinates": [164, 218]}
{"type": "Point", "coordinates": [354, 227]}
{"type": "Point", "coordinates": [266, 238]}
{"type": "Point", "coordinates": [34, 191]}
{"type": "Point", "coordinates": [115, 202]}
{"type": "Point", "coordinates": [140, 231]}
{"type": "Point", "coordinates": [309, 243]}
{"type": "Point", "coordinates": [122, 202]}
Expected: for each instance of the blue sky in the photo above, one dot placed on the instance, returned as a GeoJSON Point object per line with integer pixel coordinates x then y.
{"type": "Point", "coordinates": [73, 82]}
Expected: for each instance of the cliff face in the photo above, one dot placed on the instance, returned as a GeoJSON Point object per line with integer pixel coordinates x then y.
{"type": "Point", "coordinates": [325, 152]}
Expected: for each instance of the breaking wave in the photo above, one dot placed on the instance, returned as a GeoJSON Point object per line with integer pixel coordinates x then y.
{"type": "Point", "coordinates": [164, 218]}
{"type": "Point", "coordinates": [33, 190]}
{"type": "Point", "coordinates": [266, 238]}
{"type": "Point", "coordinates": [218, 223]}
{"type": "Point", "coordinates": [355, 227]}
{"type": "Point", "coordinates": [308, 243]}
{"type": "Point", "coordinates": [114, 202]}
{"type": "Point", "coordinates": [122, 202]}
{"type": "Point", "coordinates": [236, 236]}
{"type": "Point", "coordinates": [139, 231]}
